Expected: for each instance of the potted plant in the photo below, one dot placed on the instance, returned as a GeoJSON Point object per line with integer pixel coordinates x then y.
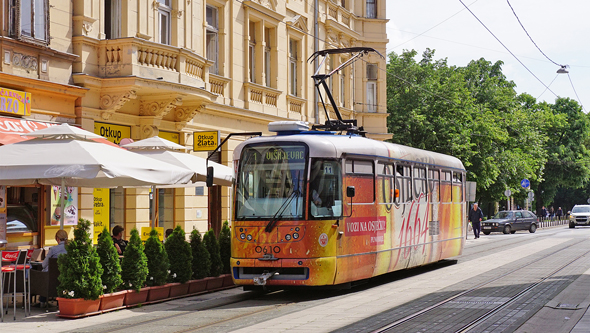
{"type": "Point", "coordinates": [201, 263]}
{"type": "Point", "coordinates": [181, 267]}
{"type": "Point", "coordinates": [111, 272]}
{"type": "Point", "coordinates": [225, 253]}
{"type": "Point", "coordinates": [80, 283]}
{"type": "Point", "coordinates": [212, 246]}
{"type": "Point", "coordinates": [157, 261]}
{"type": "Point", "coordinates": [134, 270]}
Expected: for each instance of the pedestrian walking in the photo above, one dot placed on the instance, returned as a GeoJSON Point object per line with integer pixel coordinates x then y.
{"type": "Point", "coordinates": [559, 213]}
{"type": "Point", "coordinates": [543, 213]}
{"type": "Point", "coordinates": [475, 217]}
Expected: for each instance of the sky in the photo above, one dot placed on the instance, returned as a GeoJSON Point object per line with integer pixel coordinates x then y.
{"type": "Point", "coordinates": [560, 29]}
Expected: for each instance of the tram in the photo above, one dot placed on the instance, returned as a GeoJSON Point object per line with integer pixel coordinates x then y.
{"type": "Point", "coordinates": [327, 206]}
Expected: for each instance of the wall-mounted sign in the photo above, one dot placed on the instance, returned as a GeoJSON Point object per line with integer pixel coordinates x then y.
{"type": "Point", "coordinates": [101, 211]}
{"type": "Point", "coordinates": [145, 233]}
{"type": "Point", "coordinates": [113, 133]}
{"type": "Point", "coordinates": [15, 102]}
{"type": "Point", "coordinates": [71, 205]}
{"type": "Point", "coordinates": [170, 136]}
{"type": "Point", "coordinates": [205, 141]}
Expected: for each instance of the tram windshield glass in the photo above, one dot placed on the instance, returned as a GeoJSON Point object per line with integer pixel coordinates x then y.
{"type": "Point", "coordinates": [270, 182]}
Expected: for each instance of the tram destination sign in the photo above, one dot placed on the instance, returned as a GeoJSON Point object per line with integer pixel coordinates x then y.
{"type": "Point", "coordinates": [205, 141]}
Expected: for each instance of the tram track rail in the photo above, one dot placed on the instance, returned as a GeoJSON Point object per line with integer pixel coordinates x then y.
{"type": "Point", "coordinates": [482, 318]}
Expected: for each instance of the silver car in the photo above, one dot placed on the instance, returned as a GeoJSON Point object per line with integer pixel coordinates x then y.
{"type": "Point", "coordinates": [580, 215]}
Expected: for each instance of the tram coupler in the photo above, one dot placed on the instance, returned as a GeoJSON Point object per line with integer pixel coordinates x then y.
{"type": "Point", "coordinates": [261, 280]}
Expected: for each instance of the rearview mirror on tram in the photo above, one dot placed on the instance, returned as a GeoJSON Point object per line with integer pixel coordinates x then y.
{"type": "Point", "coordinates": [350, 192]}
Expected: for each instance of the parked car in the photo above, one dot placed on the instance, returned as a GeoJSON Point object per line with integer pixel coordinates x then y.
{"type": "Point", "coordinates": [510, 221]}
{"type": "Point", "coordinates": [580, 215]}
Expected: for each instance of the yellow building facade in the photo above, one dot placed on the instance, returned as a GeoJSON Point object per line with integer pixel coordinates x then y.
{"type": "Point", "coordinates": [135, 69]}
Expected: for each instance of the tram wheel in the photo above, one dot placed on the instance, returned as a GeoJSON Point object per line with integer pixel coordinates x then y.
{"type": "Point", "coordinates": [486, 233]}
{"type": "Point", "coordinates": [507, 229]}
{"type": "Point", "coordinates": [533, 228]}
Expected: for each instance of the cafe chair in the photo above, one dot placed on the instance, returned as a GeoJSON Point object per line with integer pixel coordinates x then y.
{"type": "Point", "coordinates": [8, 262]}
{"type": "Point", "coordinates": [24, 265]}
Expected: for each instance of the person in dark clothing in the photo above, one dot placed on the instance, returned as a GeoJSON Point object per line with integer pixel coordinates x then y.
{"type": "Point", "coordinates": [475, 217]}
{"type": "Point", "coordinates": [544, 213]}
{"type": "Point", "coordinates": [559, 213]}
{"type": "Point", "coordinates": [120, 243]}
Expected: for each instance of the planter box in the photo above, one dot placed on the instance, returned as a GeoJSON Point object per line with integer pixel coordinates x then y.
{"type": "Point", "coordinates": [214, 282]}
{"type": "Point", "coordinates": [136, 297]}
{"type": "Point", "coordinates": [77, 307]}
{"type": "Point", "coordinates": [197, 286]}
{"type": "Point", "coordinates": [178, 289]}
{"type": "Point", "coordinates": [158, 293]}
{"type": "Point", "coordinates": [112, 300]}
{"type": "Point", "coordinates": [227, 280]}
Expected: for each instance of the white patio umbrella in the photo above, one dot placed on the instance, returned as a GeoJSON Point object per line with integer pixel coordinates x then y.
{"type": "Point", "coordinates": [63, 155]}
{"type": "Point", "coordinates": [164, 150]}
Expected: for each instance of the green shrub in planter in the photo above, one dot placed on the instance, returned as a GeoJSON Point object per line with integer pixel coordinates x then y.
{"type": "Point", "coordinates": [201, 257]}
{"type": "Point", "coordinates": [212, 246]}
{"type": "Point", "coordinates": [157, 260]}
{"type": "Point", "coordinates": [225, 247]}
{"type": "Point", "coordinates": [109, 260]}
{"type": "Point", "coordinates": [80, 269]}
{"type": "Point", "coordinates": [134, 266]}
{"type": "Point", "coordinates": [181, 258]}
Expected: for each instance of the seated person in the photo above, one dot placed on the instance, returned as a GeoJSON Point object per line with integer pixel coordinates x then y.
{"type": "Point", "coordinates": [168, 233]}
{"type": "Point", "coordinates": [120, 243]}
{"type": "Point", "coordinates": [61, 236]}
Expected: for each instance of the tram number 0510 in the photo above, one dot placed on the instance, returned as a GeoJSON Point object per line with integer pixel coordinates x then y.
{"type": "Point", "coordinates": [267, 249]}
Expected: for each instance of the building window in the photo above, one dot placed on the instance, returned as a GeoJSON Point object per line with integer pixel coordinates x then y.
{"type": "Point", "coordinates": [164, 13]}
{"type": "Point", "coordinates": [293, 59]}
{"type": "Point", "coordinates": [112, 24]}
{"type": "Point", "coordinates": [29, 19]}
{"type": "Point", "coordinates": [372, 8]}
{"type": "Point", "coordinates": [252, 52]}
{"type": "Point", "coordinates": [372, 87]}
{"type": "Point", "coordinates": [267, 56]}
{"type": "Point", "coordinates": [213, 38]}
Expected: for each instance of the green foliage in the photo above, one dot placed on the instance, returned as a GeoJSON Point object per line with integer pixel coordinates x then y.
{"type": "Point", "coordinates": [134, 266]}
{"type": "Point", "coordinates": [109, 260]}
{"type": "Point", "coordinates": [157, 260]}
{"type": "Point", "coordinates": [201, 257]}
{"type": "Point", "coordinates": [80, 269]}
{"type": "Point", "coordinates": [181, 257]}
{"type": "Point", "coordinates": [225, 247]}
{"type": "Point", "coordinates": [212, 246]}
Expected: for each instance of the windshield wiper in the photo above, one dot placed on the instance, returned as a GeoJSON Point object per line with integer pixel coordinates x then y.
{"type": "Point", "coordinates": [279, 213]}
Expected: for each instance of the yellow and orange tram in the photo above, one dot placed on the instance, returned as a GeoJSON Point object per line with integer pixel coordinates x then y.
{"type": "Point", "coordinates": [316, 208]}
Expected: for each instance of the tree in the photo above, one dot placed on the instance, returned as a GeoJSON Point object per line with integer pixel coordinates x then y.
{"type": "Point", "coordinates": [80, 269]}
{"type": "Point", "coordinates": [201, 257]}
{"type": "Point", "coordinates": [212, 246]}
{"type": "Point", "coordinates": [157, 260]}
{"type": "Point", "coordinates": [180, 251]}
{"type": "Point", "coordinates": [225, 247]}
{"type": "Point", "coordinates": [134, 266]}
{"type": "Point", "coordinates": [109, 260]}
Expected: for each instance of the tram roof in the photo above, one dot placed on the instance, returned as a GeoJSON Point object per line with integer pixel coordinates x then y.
{"type": "Point", "coordinates": [322, 144]}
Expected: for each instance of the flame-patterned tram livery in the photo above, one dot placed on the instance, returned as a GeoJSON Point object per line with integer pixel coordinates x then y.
{"type": "Point", "coordinates": [317, 208]}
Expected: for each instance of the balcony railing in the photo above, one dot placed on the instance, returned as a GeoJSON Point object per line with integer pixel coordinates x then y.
{"type": "Point", "coordinates": [217, 84]}
{"type": "Point", "coordinates": [261, 94]}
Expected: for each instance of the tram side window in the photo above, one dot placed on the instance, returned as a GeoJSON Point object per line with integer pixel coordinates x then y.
{"type": "Point", "coordinates": [445, 184]}
{"type": "Point", "coordinates": [403, 182]}
{"type": "Point", "coordinates": [325, 184]}
{"type": "Point", "coordinates": [434, 185]}
{"type": "Point", "coordinates": [419, 181]}
{"type": "Point", "coordinates": [458, 182]}
{"type": "Point", "coordinates": [385, 178]}
{"type": "Point", "coordinates": [361, 175]}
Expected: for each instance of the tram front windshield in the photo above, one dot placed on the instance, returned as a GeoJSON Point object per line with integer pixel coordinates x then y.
{"type": "Point", "coordinates": [270, 182]}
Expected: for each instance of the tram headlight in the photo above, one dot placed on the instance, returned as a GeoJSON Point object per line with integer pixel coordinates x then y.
{"type": "Point", "coordinates": [242, 236]}
{"type": "Point", "coordinates": [288, 237]}
{"type": "Point", "coordinates": [249, 237]}
{"type": "Point", "coordinates": [295, 235]}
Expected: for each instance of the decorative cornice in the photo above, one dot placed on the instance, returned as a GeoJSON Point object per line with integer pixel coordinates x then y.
{"type": "Point", "coordinates": [148, 131]}
{"type": "Point", "coordinates": [158, 109]}
{"type": "Point", "coordinates": [111, 103]}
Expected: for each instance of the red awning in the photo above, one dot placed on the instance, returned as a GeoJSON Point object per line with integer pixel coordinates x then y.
{"type": "Point", "coordinates": [12, 128]}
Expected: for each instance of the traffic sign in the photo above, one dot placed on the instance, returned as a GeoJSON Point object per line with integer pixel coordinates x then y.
{"type": "Point", "coordinates": [531, 196]}
{"type": "Point", "coordinates": [525, 183]}
{"type": "Point", "coordinates": [508, 193]}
